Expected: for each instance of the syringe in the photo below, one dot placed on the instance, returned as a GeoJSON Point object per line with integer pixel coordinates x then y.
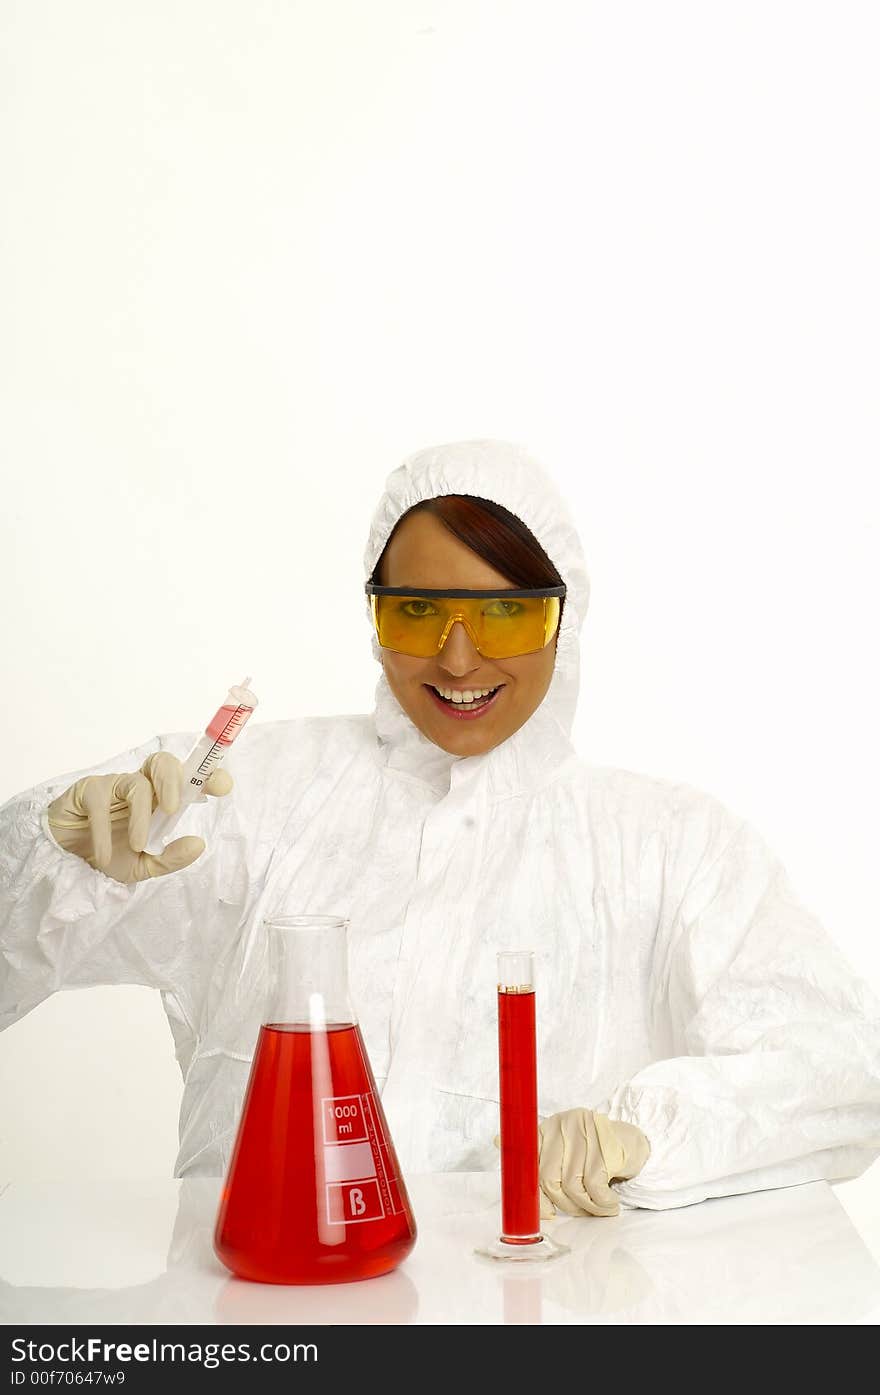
{"type": "Point", "coordinates": [204, 758]}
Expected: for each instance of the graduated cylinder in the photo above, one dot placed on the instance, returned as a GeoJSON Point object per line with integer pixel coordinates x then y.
{"type": "Point", "coordinates": [518, 1092]}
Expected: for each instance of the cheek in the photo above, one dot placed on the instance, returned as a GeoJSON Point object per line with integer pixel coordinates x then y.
{"type": "Point", "coordinates": [533, 682]}
{"type": "Point", "coordinates": [401, 674]}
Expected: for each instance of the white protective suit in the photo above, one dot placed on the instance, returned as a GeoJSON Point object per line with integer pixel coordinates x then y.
{"type": "Point", "coordinates": [681, 985]}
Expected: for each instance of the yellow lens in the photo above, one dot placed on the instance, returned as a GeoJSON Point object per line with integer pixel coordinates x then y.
{"type": "Point", "coordinates": [552, 610]}
{"type": "Point", "coordinates": [499, 626]}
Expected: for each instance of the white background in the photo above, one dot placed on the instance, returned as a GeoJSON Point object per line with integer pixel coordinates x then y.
{"type": "Point", "coordinates": [254, 254]}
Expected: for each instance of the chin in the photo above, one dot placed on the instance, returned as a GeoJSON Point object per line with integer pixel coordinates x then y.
{"type": "Point", "coordinates": [463, 743]}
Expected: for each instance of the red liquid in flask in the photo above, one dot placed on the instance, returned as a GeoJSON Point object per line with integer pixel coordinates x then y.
{"type": "Point", "coordinates": [314, 1193]}
{"type": "Point", "coordinates": [518, 1079]}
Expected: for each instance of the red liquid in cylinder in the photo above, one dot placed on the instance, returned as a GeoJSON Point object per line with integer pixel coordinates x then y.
{"type": "Point", "coordinates": [314, 1193]}
{"type": "Point", "coordinates": [518, 1079]}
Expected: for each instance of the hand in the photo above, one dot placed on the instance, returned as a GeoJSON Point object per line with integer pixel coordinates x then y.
{"type": "Point", "coordinates": [105, 819]}
{"type": "Point", "coordinates": [580, 1154]}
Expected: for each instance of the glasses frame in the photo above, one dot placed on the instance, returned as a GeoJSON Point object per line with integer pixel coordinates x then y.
{"type": "Point", "coordinates": [502, 593]}
{"type": "Point", "coordinates": [454, 593]}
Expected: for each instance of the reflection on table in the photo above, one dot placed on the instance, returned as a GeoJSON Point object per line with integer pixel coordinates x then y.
{"type": "Point", "coordinates": [141, 1252]}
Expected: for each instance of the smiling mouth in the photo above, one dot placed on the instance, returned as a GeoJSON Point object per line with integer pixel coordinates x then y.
{"type": "Point", "coordinates": [464, 708]}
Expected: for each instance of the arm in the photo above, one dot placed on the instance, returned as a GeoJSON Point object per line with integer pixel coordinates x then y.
{"type": "Point", "coordinates": [774, 1074]}
{"type": "Point", "coordinates": [64, 924]}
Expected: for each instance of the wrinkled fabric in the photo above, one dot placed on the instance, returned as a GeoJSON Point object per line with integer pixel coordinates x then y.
{"type": "Point", "coordinates": [682, 986]}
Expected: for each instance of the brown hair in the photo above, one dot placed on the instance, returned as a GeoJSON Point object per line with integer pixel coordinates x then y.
{"type": "Point", "coordinates": [494, 533]}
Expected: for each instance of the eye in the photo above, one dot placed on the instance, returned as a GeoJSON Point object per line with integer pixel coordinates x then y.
{"type": "Point", "coordinates": [503, 610]}
{"type": "Point", "coordinates": [411, 608]}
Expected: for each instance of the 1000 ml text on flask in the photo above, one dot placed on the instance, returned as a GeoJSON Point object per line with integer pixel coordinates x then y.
{"type": "Point", "coordinates": [313, 1193]}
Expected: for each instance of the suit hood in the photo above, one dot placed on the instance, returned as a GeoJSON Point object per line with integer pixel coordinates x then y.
{"type": "Point", "coordinates": [508, 475]}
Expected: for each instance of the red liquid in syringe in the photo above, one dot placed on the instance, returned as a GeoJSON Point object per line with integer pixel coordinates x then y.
{"type": "Point", "coordinates": [520, 1202]}
{"type": "Point", "coordinates": [227, 722]}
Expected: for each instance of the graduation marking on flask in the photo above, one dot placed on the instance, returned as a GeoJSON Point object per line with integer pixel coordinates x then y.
{"type": "Point", "coordinates": [352, 1192]}
{"type": "Point", "coordinates": [356, 1180]}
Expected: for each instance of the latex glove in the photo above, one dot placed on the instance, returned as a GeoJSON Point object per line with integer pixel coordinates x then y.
{"type": "Point", "coordinates": [580, 1154]}
{"type": "Point", "coordinates": [105, 819]}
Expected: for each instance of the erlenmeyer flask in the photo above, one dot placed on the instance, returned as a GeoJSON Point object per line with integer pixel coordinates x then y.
{"type": "Point", "coordinates": [313, 1194]}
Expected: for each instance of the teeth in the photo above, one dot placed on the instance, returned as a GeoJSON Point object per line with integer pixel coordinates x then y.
{"type": "Point", "coordinates": [465, 695]}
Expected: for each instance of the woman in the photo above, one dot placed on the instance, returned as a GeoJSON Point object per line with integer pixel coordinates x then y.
{"type": "Point", "coordinates": [699, 1034]}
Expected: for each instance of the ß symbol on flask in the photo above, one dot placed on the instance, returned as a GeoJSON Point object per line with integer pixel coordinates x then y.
{"type": "Point", "coordinates": [356, 1198]}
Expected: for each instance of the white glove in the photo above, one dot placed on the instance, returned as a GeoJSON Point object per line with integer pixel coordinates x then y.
{"type": "Point", "coordinates": [105, 819]}
{"type": "Point", "coordinates": [581, 1153]}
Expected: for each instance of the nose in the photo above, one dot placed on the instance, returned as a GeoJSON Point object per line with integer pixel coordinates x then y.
{"type": "Point", "coordinates": [458, 653]}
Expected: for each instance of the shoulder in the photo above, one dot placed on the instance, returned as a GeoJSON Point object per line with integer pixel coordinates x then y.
{"type": "Point", "coordinates": [676, 811]}
{"type": "Point", "coordinates": [692, 849]}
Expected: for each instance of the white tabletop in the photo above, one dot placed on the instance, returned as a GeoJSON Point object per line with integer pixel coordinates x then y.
{"type": "Point", "coordinates": [140, 1253]}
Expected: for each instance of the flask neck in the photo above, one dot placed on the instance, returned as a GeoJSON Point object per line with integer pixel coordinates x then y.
{"type": "Point", "coordinates": [308, 972]}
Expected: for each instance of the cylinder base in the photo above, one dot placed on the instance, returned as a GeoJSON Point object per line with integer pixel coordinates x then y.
{"type": "Point", "coordinates": [532, 1253]}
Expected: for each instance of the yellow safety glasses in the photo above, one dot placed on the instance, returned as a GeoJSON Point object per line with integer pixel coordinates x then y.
{"type": "Point", "coordinates": [411, 620]}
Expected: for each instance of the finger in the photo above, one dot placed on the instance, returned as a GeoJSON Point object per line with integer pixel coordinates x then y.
{"type": "Point", "coordinates": [604, 1202]}
{"type": "Point", "coordinates": [597, 1201]}
{"type": "Point", "coordinates": [552, 1163]}
{"type": "Point", "coordinates": [68, 807]}
{"type": "Point", "coordinates": [497, 1141]}
{"type": "Point", "coordinates": [219, 782]}
{"type": "Point", "coordinates": [67, 810]}
{"type": "Point", "coordinates": [96, 799]}
{"type": "Point", "coordinates": [551, 1188]}
{"type": "Point", "coordinates": [174, 858]}
{"type": "Point", "coordinates": [550, 1149]}
{"type": "Point", "coordinates": [593, 1196]}
{"type": "Point", "coordinates": [584, 1180]}
{"type": "Point", "coordinates": [137, 792]}
{"type": "Point", "coordinates": [547, 1208]}
{"type": "Point", "coordinates": [165, 773]}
